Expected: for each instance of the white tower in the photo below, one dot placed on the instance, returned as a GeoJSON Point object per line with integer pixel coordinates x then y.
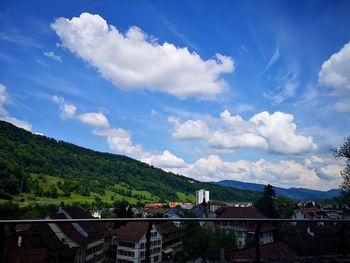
{"type": "Point", "coordinates": [202, 195]}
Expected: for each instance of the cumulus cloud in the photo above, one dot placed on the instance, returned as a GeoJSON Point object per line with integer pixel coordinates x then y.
{"type": "Point", "coordinates": [270, 132]}
{"type": "Point", "coordinates": [308, 173]}
{"type": "Point", "coordinates": [69, 111]}
{"type": "Point", "coordinates": [134, 60]}
{"type": "Point", "coordinates": [96, 119]}
{"type": "Point", "coordinates": [119, 140]}
{"type": "Point", "coordinates": [335, 73]}
{"type": "Point", "coordinates": [164, 160]}
{"type": "Point", "coordinates": [191, 129]}
{"type": "Point", "coordinates": [53, 56]}
{"type": "Point", "coordinates": [4, 115]}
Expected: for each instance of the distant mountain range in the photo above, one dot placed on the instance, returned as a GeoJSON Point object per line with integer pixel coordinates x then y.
{"type": "Point", "coordinates": [294, 193]}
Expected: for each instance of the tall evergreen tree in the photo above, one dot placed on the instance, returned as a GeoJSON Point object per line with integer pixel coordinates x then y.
{"type": "Point", "coordinates": [266, 204]}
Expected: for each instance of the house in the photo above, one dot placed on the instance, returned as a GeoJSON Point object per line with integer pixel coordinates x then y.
{"type": "Point", "coordinates": [86, 239]}
{"type": "Point", "coordinates": [308, 213]}
{"type": "Point", "coordinates": [36, 243]}
{"type": "Point", "coordinates": [245, 231]}
{"type": "Point", "coordinates": [96, 213]}
{"type": "Point", "coordinates": [131, 243]}
{"type": "Point", "coordinates": [154, 211]}
{"type": "Point", "coordinates": [173, 214]}
{"type": "Point", "coordinates": [171, 238]}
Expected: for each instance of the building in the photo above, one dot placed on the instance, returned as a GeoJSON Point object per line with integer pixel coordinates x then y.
{"type": "Point", "coordinates": [245, 231]}
{"type": "Point", "coordinates": [86, 239]}
{"type": "Point", "coordinates": [131, 243]}
{"type": "Point", "coordinates": [171, 239]}
{"type": "Point", "coordinates": [308, 213]}
{"type": "Point", "coordinates": [201, 196]}
{"type": "Point", "coordinates": [36, 243]}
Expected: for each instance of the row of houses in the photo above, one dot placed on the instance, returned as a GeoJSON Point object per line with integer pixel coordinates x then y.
{"type": "Point", "coordinates": [90, 242]}
{"type": "Point", "coordinates": [95, 242]}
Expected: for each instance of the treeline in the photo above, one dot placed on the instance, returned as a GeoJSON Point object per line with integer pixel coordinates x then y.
{"type": "Point", "coordinates": [23, 153]}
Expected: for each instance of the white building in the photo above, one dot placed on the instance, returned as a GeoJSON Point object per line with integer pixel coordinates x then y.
{"type": "Point", "coordinates": [131, 241]}
{"type": "Point", "coordinates": [202, 195]}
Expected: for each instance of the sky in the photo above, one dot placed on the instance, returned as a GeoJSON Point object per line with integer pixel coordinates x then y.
{"type": "Point", "coordinates": [256, 91]}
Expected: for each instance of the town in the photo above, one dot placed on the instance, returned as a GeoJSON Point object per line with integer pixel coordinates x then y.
{"type": "Point", "coordinates": [177, 241]}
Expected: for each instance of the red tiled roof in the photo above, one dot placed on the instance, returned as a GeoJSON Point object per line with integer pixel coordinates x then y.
{"type": "Point", "coordinates": [271, 251]}
{"type": "Point", "coordinates": [132, 231]}
{"type": "Point", "coordinates": [310, 212]}
{"type": "Point", "coordinates": [241, 212]}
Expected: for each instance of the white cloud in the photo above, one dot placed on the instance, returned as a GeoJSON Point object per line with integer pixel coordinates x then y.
{"type": "Point", "coordinates": [279, 130]}
{"type": "Point", "coordinates": [286, 88]}
{"type": "Point", "coordinates": [3, 99]}
{"type": "Point", "coordinates": [136, 61]}
{"type": "Point", "coordinates": [335, 73]}
{"type": "Point", "coordinates": [4, 115]}
{"type": "Point", "coordinates": [69, 111]}
{"type": "Point", "coordinates": [271, 132]}
{"type": "Point", "coordinates": [53, 56]}
{"type": "Point", "coordinates": [343, 105]}
{"type": "Point", "coordinates": [191, 129]}
{"type": "Point", "coordinates": [95, 119]}
{"type": "Point", "coordinates": [273, 59]}
{"type": "Point", "coordinates": [164, 160]}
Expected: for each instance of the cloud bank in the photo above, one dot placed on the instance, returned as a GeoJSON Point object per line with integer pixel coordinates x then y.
{"type": "Point", "coordinates": [275, 132]}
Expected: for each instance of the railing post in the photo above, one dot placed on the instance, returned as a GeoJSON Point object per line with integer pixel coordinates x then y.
{"type": "Point", "coordinates": [148, 243]}
{"type": "Point", "coordinates": [257, 242]}
{"type": "Point", "coordinates": [2, 241]}
{"type": "Point", "coordinates": [343, 239]}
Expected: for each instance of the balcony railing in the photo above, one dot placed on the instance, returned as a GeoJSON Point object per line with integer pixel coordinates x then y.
{"type": "Point", "coordinates": [258, 223]}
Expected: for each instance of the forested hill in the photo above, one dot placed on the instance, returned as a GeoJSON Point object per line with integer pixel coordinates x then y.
{"type": "Point", "coordinates": [26, 157]}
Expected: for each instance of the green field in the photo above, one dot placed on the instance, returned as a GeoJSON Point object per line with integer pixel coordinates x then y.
{"type": "Point", "coordinates": [109, 197]}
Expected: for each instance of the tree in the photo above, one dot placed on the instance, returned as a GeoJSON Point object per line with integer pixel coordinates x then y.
{"type": "Point", "coordinates": [266, 204]}
{"type": "Point", "coordinates": [343, 152]}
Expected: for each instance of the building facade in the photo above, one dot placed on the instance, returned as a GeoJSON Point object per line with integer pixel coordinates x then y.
{"type": "Point", "coordinates": [131, 243]}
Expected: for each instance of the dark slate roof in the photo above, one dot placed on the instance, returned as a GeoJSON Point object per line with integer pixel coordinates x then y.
{"type": "Point", "coordinates": [69, 230]}
{"type": "Point", "coordinates": [306, 245]}
{"type": "Point", "coordinates": [89, 227]}
{"type": "Point", "coordinates": [241, 212]}
{"type": "Point", "coordinates": [132, 231]}
{"type": "Point", "coordinates": [279, 250]}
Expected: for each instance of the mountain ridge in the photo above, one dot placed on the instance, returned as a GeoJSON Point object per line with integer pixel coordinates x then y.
{"type": "Point", "coordinates": [24, 156]}
{"type": "Point", "coordinates": [293, 192]}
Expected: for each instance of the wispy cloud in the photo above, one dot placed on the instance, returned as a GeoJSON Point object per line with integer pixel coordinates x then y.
{"type": "Point", "coordinates": [273, 59]}
{"type": "Point", "coordinates": [285, 89]}
{"type": "Point", "coordinates": [53, 56]}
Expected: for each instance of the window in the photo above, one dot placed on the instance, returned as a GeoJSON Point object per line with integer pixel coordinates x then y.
{"type": "Point", "coordinates": [126, 253]}
{"type": "Point", "coordinates": [142, 245]}
{"type": "Point", "coordinates": [126, 244]}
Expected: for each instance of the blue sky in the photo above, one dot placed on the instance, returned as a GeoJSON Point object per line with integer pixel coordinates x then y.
{"type": "Point", "coordinates": [256, 91]}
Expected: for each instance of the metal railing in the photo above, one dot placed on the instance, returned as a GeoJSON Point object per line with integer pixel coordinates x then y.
{"type": "Point", "coordinates": [256, 221]}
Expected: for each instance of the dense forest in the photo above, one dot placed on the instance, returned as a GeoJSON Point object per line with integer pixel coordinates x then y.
{"type": "Point", "coordinates": [25, 158]}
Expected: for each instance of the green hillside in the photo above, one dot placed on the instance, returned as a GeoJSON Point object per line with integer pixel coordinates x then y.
{"type": "Point", "coordinates": [35, 168]}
